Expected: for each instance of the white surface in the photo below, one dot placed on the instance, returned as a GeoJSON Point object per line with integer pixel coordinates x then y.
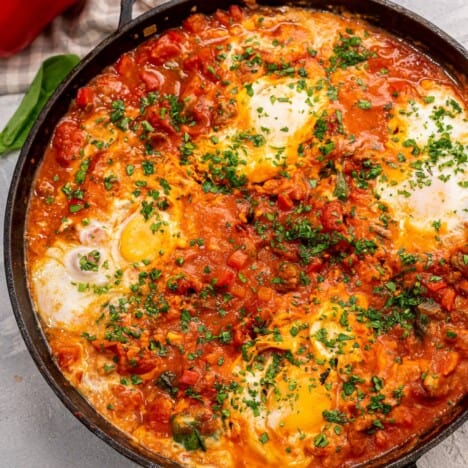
{"type": "Point", "coordinates": [37, 431]}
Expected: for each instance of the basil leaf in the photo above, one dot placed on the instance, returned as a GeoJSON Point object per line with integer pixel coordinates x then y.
{"type": "Point", "coordinates": [13, 127]}
{"type": "Point", "coordinates": [51, 73]}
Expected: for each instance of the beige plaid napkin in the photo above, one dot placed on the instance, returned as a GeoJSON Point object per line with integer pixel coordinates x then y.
{"type": "Point", "coordinates": [76, 35]}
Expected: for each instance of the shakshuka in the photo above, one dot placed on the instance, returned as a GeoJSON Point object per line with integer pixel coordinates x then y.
{"type": "Point", "coordinates": [247, 241]}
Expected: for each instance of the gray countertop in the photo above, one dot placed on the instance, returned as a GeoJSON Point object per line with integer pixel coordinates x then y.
{"type": "Point", "coordinates": [37, 431]}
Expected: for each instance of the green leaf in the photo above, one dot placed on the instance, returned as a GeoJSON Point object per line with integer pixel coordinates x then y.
{"type": "Point", "coordinates": [185, 432]}
{"type": "Point", "coordinates": [341, 188]}
{"type": "Point", "coordinates": [49, 76]}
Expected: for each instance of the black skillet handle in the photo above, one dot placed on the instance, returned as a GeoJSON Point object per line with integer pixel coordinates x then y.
{"type": "Point", "coordinates": [126, 7]}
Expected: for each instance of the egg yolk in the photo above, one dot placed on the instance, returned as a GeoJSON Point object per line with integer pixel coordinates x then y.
{"type": "Point", "coordinates": [143, 240]}
{"type": "Point", "coordinates": [300, 407]}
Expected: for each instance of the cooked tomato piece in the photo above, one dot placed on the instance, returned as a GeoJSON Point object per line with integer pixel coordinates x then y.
{"type": "Point", "coordinates": [158, 414]}
{"type": "Point", "coordinates": [235, 12]}
{"type": "Point", "coordinates": [67, 355]}
{"type": "Point", "coordinates": [67, 141]}
{"type": "Point", "coordinates": [159, 119]}
{"type": "Point", "coordinates": [224, 277]}
{"type": "Point", "coordinates": [166, 47]}
{"type": "Point", "coordinates": [315, 265]}
{"type": "Point", "coordinates": [128, 70]}
{"type": "Point", "coordinates": [189, 377]}
{"type": "Point", "coordinates": [447, 298]}
{"type": "Point", "coordinates": [151, 79]}
{"type": "Point", "coordinates": [285, 202]}
{"type": "Point", "coordinates": [196, 23]}
{"type": "Point", "coordinates": [143, 365]}
{"type": "Point", "coordinates": [85, 97]}
{"type": "Point", "coordinates": [237, 259]}
{"type": "Point", "coordinates": [332, 216]}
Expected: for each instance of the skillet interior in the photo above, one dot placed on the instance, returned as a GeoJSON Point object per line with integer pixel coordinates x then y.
{"type": "Point", "coordinates": [392, 18]}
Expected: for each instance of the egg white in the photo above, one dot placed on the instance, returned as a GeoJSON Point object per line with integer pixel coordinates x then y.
{"type": "Point", "coordinates": [67, 295]}
{"type": "Point", "coordinates": [279, 112]}
{"type": "Point", "coordinates": [428, 197]}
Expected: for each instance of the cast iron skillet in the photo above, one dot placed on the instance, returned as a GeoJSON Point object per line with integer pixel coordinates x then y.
{"type": "Point", "coordinates": [131, 33]}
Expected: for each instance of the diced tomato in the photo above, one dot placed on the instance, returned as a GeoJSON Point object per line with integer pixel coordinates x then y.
{"type": "Point", "coordinates": [224, 277]}
{"type": "Point", "coordinates": [448, 362]}
{"type": "Point", "coordinates": [85, 97]}
{"type": "Point", "coordinates": [285, 202]}
{"type": "Point", "coordinates": [462, 287]}
{"type": "Point", "coordinates": [402, 416]}
{"type": "Point", "coordinates": [264, 293]}
{"type": "Point", "coordinates": [204, 62]}
{"type": "Point", "coordinates": [381, 439]}
{"type": "Point", "coordinates": [194, 86]}
{"type": "Point", "coordinates": [431, 283]}
{"type": "Point", "coordinates": [235, 12]}
{"type": "Point", "coordinates": [151, 80]}
{"type": "Point", "coordinates": [196, 23]}
{"type": "Point", "coordinates": [67, 355]}
{"type": "Point", "coordinates": [128, 399]}
{"type": "Point", "coordinates": [67, 142]}
{"type": "Point", "coordinates": [237, 259]}
{"type": "Point", "coordinates": [237, 290]}
{"type": "Point", "coordinates": [447, 298]}
{"type": "Point", "coordinates": [191, 63]}
{"type": "Point", "coordinates": [158, 122]}
{"type": "Point", "coordinates": [118, 351]}
{"type": "Point", "coordinates": [332, 216]}
{"type": "Point", "coordinates": [110, 86]}
{"type": "Point", "coordinates": [315, 265]}
{"type": "Point", "coordinates": [189, 377]}
{"type": "Point", "coordinates": [143, 366]}
{"type": "Point", "coordinates": [128, 70]}
{"type": "Point", "coordinates": [158, 414]}
{"type": "Point", "coordinates": [188, 284]}
{"type": "Point", "coordinates": [201, 113]}
{"type": "Point", "coordinates": [223, 17]}
{"type": "Point", "coordinates": [300, 190]}
{"type": "Point", "coordinates": [166, 47]}
{"type": "Point", "coordinates": [213, 356]}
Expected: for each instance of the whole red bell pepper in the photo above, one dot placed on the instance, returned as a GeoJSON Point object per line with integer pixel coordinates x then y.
{"type": "Point", "coordinates": [21, 21]}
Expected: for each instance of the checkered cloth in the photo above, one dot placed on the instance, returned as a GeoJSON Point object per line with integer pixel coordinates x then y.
{"type": "Point", "coordinates": [77, 35]}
